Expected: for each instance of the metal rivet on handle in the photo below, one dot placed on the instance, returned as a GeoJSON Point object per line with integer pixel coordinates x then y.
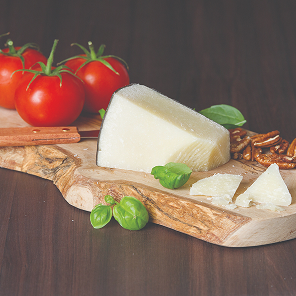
{"type": "Point", "coordinates": [65, 129]}
{"type": "Point", "coordinates": [36, 131]}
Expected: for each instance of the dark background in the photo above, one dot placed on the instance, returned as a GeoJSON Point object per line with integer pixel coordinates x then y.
{"type": "Point", "coordinates": [198, 52]}
{"type": "Point", "coordinates": [201, 53]}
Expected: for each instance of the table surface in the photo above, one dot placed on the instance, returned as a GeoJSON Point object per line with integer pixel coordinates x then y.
{"type": "Point", "coordinates": [201, 53]}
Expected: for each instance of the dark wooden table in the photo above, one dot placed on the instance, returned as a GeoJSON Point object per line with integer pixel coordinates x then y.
{"type": "Point", "coordinates": [201, 53]}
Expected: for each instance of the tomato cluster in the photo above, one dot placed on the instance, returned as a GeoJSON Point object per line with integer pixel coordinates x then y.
{"type": "Point", "coordinates": [44, 95]}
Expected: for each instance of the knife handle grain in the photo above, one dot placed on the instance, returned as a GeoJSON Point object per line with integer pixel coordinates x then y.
{"type": "Point", "coordinates": [23, 136]}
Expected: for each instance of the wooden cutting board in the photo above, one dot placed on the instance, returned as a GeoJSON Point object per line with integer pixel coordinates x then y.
{"type": "Point", "coordinates": [73, 169]}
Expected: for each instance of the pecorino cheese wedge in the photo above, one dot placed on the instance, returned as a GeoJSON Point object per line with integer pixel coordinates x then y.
{"type": "Point", "coordinates": [221, 187]}
{"type": "Point", "coordinates": [143, 128]}
{"type": "Point", "coordinates": [269, 188]}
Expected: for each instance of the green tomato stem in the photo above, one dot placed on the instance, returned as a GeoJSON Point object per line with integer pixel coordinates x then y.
{"type": "Point", "coordinates": [5, 34]}
{"type": "Point", "coordinates": [11, 47]}
{"type": "Point", "coordinates": [50, 58]}
{"type": "Point", "coordinates": [92, 51]}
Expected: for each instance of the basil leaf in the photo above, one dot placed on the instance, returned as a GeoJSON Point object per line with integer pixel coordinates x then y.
{"type": "Point", "coordinates": [109, 199]}
{"type": "Point", "coordinates": [102, 113]}
{"type": "Point", "coordinates": [130, 213]}
{"type": "Point", "coordinates": [172, 175]}
{"type": "Point", "coordinates": [100, 216]}
{"type": "Point", "coordinates": [226, 115]}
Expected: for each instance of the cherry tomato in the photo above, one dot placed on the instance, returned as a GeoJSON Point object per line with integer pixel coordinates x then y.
{"type": "Point", "coordinates": [46, 102]}
{"type": "Point", "coordinates": [49, 96]}
{"type": "Point", "coordinates": [100, 82]}
{"type": "Point", "coordinates": [10, 61]}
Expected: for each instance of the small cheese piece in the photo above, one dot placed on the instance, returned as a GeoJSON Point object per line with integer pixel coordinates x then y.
{"type": "Point", "coordinates": [268, 188]}
{"type": "Point", "coordinates": [143, 128]}
{"type": "Point", "coordinates": [221, 187]}
{"type": "Point", "coordinates": [269, 206]}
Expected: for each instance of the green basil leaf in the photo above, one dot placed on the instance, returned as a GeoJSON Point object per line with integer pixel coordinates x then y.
{"type": "Point", "coordinates": [100, 216]}
{"type": "Point", "coordinates": [172, 175]}
{"type": "Point", "coordinates": [130, 213]}
{"type": "Point", "coordinates": [226, 115]}
{"type": "Point", "coordinates": [102, 113]}
{"type": "Point", "coordinates": [109, 199]}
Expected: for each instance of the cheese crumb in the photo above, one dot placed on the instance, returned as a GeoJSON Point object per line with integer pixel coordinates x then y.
{"type": "Point", "coordinates": [269, 206]}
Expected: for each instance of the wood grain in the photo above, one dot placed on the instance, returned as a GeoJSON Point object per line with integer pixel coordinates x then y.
{"type": "Point", "coordinates": [72, 168]}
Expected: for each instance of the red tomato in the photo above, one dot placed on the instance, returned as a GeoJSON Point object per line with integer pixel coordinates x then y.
{"type": "Point", "coordinates": [100, 82]}
{"type": "Point", "coordinates": [9, 64]}
{"type": "Point", "coordinates": [46, 103]}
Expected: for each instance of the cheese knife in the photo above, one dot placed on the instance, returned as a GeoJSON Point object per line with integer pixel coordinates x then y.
{"type": "Point", "coordinates": [22, 136]}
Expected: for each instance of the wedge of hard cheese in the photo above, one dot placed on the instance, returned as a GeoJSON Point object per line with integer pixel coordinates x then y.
{"type": "Point", "coordinates": [269, 188]}
{"type": "Point", "coordinates": [221, 187]}
{"type": "Point", "coordinates": [143, 128]}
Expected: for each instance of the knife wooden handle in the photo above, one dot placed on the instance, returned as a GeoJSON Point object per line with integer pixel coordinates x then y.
{"type": "Point", "coordinates": [23, 136]}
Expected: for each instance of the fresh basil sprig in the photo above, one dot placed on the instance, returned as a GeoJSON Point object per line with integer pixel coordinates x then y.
{"type": "Point", "coordinates": [172, 175]}
{"type": "Point", "coordinates": [225, 115]}
{"type": "Point", "coordinates": [130, 213]}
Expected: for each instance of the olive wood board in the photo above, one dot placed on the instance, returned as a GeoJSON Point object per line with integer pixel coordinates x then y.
{"type": "Point", "coordinates": [83, 184]}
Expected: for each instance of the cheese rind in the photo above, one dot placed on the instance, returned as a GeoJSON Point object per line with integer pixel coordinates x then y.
{"type": "Point", "coordinates": [221, 187]}
{"type": "Point", "coordinates": [143, 128]}
{"type": "Point", "coordinates": [268, 188]}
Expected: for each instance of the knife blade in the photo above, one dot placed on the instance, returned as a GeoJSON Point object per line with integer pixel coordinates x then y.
{"type": "Point", "coordinates": [22, 136]}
